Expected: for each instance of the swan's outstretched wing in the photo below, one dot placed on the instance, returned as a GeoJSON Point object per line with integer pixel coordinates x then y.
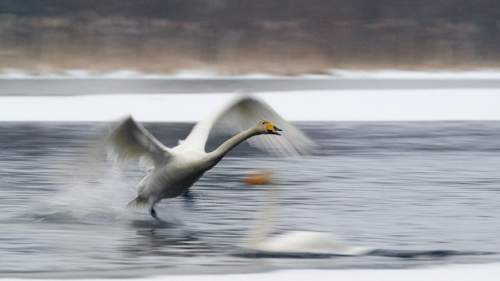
{"type": "Point", "coordinates": [131, 141]}
{"type": "Point", "coordinates": [244, 113]}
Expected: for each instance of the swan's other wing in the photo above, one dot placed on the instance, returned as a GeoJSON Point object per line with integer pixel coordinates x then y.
{"type": "Point", "coordinates": [244, 113]}
{"type": "Point", "coordinates": [131, 141]}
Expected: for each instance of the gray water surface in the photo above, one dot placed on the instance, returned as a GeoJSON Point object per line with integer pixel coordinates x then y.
{"type": "Point", "coordinates": [69, 87]}
{"type": "Point", "coordinates": [430, 189]}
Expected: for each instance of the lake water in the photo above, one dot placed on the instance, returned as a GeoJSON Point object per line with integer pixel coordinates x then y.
{"type": "Point", "coordinates": [420, 193]}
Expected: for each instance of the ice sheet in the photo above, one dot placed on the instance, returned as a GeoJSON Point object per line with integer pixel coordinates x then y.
{"type": "Point", "coordinates": [482, 272]}
{"type": "Point", "coordinates": [371, 105]}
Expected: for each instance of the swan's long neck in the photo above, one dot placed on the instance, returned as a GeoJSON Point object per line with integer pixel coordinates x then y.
{"type": "Point", "coordinates": [263, 226]}
{"type": "Point", "coordinates": [228, 145]}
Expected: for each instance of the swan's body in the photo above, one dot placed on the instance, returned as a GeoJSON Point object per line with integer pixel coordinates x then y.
{"type": "Point", "coordinates": [307, 242]}
{"type": "Point", "coordinates": [262, 239]}
{"type": "Point", "coordinates": [182, 169]}
{"type": "Point", "coordinates": [174, 170]}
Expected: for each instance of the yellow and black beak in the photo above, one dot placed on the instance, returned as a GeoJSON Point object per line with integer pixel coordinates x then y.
{"type": "Point", "coordinates": [272, 129]}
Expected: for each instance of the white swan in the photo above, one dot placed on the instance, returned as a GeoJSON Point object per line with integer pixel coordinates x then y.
{"type": "Point", "coordinates": [174, 170]}
{"type": "Point", "coordinates": [260, 237]}
{"type": "Point", "coordinates": [308, 242]}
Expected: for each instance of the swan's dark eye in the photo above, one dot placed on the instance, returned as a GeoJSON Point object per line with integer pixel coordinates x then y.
{"type": "Point", "coordinates": [264, 122]}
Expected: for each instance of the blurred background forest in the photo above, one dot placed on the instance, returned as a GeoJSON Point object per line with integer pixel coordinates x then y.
{"type": "Point", "coordinates": [248, 36]}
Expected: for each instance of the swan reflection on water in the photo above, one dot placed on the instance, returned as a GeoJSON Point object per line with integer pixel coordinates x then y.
{"type": "Point", "coordinates": [162, 238]}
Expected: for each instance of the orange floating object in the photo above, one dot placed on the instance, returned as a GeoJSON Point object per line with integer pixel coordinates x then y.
{"type": "Point", "coordinates": [258, 178]}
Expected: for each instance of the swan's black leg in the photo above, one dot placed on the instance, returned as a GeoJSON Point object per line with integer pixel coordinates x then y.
{"type": "Point", "coordinates": [188, 197]}
{"type": "Point", "coordinates": [152, 211]}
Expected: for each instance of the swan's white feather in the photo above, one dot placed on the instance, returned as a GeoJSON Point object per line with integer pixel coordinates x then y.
{"type": "Point", "coordinates": [308, 242]}
{"type": "Point", "coordinates": [243, 113]}
{"type": "Point", "coordinates": [131, 141]}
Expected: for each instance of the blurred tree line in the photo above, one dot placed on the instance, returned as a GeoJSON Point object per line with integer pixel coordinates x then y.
{"type": "Point", "coordinates": [281, 36]}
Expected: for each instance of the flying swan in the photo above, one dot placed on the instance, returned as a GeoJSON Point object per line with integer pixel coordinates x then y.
{"type": "Point", "coordinates": [172, 171]}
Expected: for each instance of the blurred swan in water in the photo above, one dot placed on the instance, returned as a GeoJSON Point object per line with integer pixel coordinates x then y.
{"type": "Point", "coordinates": [262, 240]}
{"type": "Point", "coordinates": [307, 242]}
{"type": "Point", "coordinates": [172, 171]}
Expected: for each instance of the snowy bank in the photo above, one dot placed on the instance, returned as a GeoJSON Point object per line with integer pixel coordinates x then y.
{"type": "Point", "coordinates": [482, 272]}
{"type": "Point", "coordinates": [208, 73]}
{"type": "Point", "coordinates": [352, 105]}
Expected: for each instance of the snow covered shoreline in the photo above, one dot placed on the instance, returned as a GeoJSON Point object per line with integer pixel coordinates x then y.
{"type": "Point", "coordinates": [207, 73]}
{"type": "Point", "coordinates": [483, 272]}
{"type": "Point", "coordinates": [463, 272]}
{"type": "Point", "coordinates": [340, 105]}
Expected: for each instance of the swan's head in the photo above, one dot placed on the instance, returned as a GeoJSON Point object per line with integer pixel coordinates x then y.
{"type": "Point", "coordinates": [267, 127]}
